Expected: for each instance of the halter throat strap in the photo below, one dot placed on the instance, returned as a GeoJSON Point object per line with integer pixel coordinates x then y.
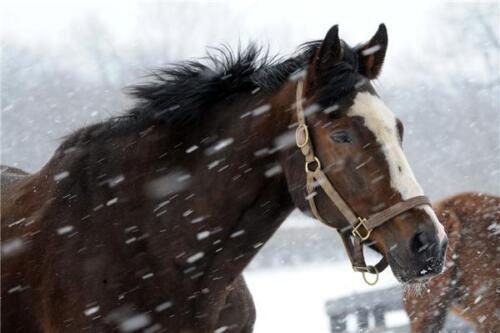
{"type": "Point", "coordinates": [360, 227]}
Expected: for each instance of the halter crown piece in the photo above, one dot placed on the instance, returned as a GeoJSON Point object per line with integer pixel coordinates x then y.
{"type": "Point", "coordinates": [361, 227]}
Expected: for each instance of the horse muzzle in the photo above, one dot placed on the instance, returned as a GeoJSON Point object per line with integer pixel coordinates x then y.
{"type": "Point", "coordinates": [420, 259]}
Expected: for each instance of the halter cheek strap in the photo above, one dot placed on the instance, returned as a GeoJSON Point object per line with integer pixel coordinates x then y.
{"type": "Point", "coordinates": [360, 227]}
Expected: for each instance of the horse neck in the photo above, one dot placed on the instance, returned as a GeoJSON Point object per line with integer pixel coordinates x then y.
{"type": "Point", "coordinates": [122, 166]}
{"type": "Point", "coordinates": [229, 177]}
{"type": "Point", "coordinates": [98, 182]}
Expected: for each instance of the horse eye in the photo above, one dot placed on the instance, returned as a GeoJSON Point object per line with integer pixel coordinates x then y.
{"type": "Point", "coordinates": [341, 137]}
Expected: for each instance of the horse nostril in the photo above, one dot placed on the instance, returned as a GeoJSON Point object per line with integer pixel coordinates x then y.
{"type": "Point", "coordinates": [419, 243]}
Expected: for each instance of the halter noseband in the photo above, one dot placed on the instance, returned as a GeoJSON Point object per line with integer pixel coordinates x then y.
{"type": "Point", "coordinates": [361, 226]}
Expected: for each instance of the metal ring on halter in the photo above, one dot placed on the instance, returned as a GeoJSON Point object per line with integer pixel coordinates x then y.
{"type": "Point", "coordinates": [356, 231]}
{"type": "Point", "coordinates": [368, 269]}
{"type": "Point", "coordinates": [318, 164]}
{"type": "Point", "coordinates": [301, 128]}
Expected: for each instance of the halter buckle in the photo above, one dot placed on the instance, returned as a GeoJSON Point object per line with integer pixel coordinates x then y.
{"type": "Point", "coordinates": [357, 231]}
{"type": "Point", "coordinates": [301, 133]}
{"type": "Point", "coordinates": [318, 165]}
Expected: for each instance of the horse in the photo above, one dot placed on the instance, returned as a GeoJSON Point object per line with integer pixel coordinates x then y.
{"type": "Point", "coordinates": [469, 284]}
{"type": "Point", "coordinates": [146, 221]}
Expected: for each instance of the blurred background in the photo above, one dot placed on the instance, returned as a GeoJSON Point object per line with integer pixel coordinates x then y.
{"type": "Point", "coordinates": [64, 66]}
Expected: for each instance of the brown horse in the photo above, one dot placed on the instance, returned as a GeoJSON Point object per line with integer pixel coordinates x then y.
{"type": "Point", "coordinates": [469, 284]}
{"type": "Point", "coordinates": [146, 221]}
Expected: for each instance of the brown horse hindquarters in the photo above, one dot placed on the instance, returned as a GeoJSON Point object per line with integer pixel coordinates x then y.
{"type": "Point", "coordinates": [468, 285]}
{"type": "Point", "coordinates": [477, 261]}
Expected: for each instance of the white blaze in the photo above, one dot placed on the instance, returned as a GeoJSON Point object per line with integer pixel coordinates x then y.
{"type": "Point", "coordinates": [382, 123]}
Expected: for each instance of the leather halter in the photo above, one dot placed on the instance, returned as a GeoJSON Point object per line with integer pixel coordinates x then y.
{"type": "Point", "coordinates": [360, 227]}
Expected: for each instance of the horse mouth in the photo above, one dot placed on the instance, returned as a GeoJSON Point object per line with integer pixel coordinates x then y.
{"type": "Point", "coordinates": [414, 275]}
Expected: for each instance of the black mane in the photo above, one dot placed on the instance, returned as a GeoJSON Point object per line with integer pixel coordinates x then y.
{"type": "Point", "coordinates": [180, 93]}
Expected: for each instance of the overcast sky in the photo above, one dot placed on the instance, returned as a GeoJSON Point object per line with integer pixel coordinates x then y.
{"type": "Point", "coordinates": [51, 22]}
{"type": "Point", "coordinates": [56, 27]}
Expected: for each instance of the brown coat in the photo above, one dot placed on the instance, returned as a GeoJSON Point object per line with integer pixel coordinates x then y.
{"type": "Point", "coordinates": [469, 285]}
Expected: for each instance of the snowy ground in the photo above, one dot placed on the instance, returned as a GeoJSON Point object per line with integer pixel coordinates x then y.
{"type": "Point", "coordinates": [293, 299]}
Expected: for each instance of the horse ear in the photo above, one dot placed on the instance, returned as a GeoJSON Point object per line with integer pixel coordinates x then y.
{"type": "Point", "coordinates": [372, 54]}
{"type": "Point", "coordinates": [330, 52]}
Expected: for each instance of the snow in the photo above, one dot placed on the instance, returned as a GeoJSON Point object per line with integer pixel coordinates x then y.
{"type": "Point", "coordinates": [220, 145]}
{"type": "Point", "coordinates": [298, 75]}
{"type": "Point", "coordinates": [287, 299]}
{"type": "Point", "coordinates": [188, 212]}
{"type": "Point", "coordinates": [331, 108]}
{"type": "Point", "coordinates": [221, 329]}
{"type": "Point", "coordinates": [285, 140]}
{"type": "Point", "coordinates": [64, 230]}
{"type": "Point", "coordinates": [163, 306]}
{"type": "Point", "coordinates": [135, 323]}
{"type": "Point", "coordinates": [91, 311]}
{"type": "Point", "coordinates": [130, 240]}
{"type": "Point", "coordinates": [15, 289]}
{"type": "Point", "coordinates": [198, 219]}
{"type": "Point", "coordinates": [261, 110]}
{"type": "Point", "coordinates": [213, 164]}
{"type": "Point", "coordinates": [273, 171]}
{"type": "Point", "coordinates": [112, 202]}
{"type": "Point", "coordinates": [237, 233]}
{"type": "Point", "coordinates": [202, 234]}
{"type": "Point", "coordinates": [61, 176]}
{"type": "Point", "coordinates": [173, 182]}
{"type": "Point", "coordinates": [116, 180]}
{"type": "Point", "coordinates": [16, 222]}
{"type": "Point", "coordinates": [191, 149]}
{"type": "Point", "coordinates": [195, 257]}
{"type": "Point", "coordinates": [11, 247]}
{"type": "Point", "coordinates": [293, 299]}
{"type": "Point", "coordinates": [370, 50]}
